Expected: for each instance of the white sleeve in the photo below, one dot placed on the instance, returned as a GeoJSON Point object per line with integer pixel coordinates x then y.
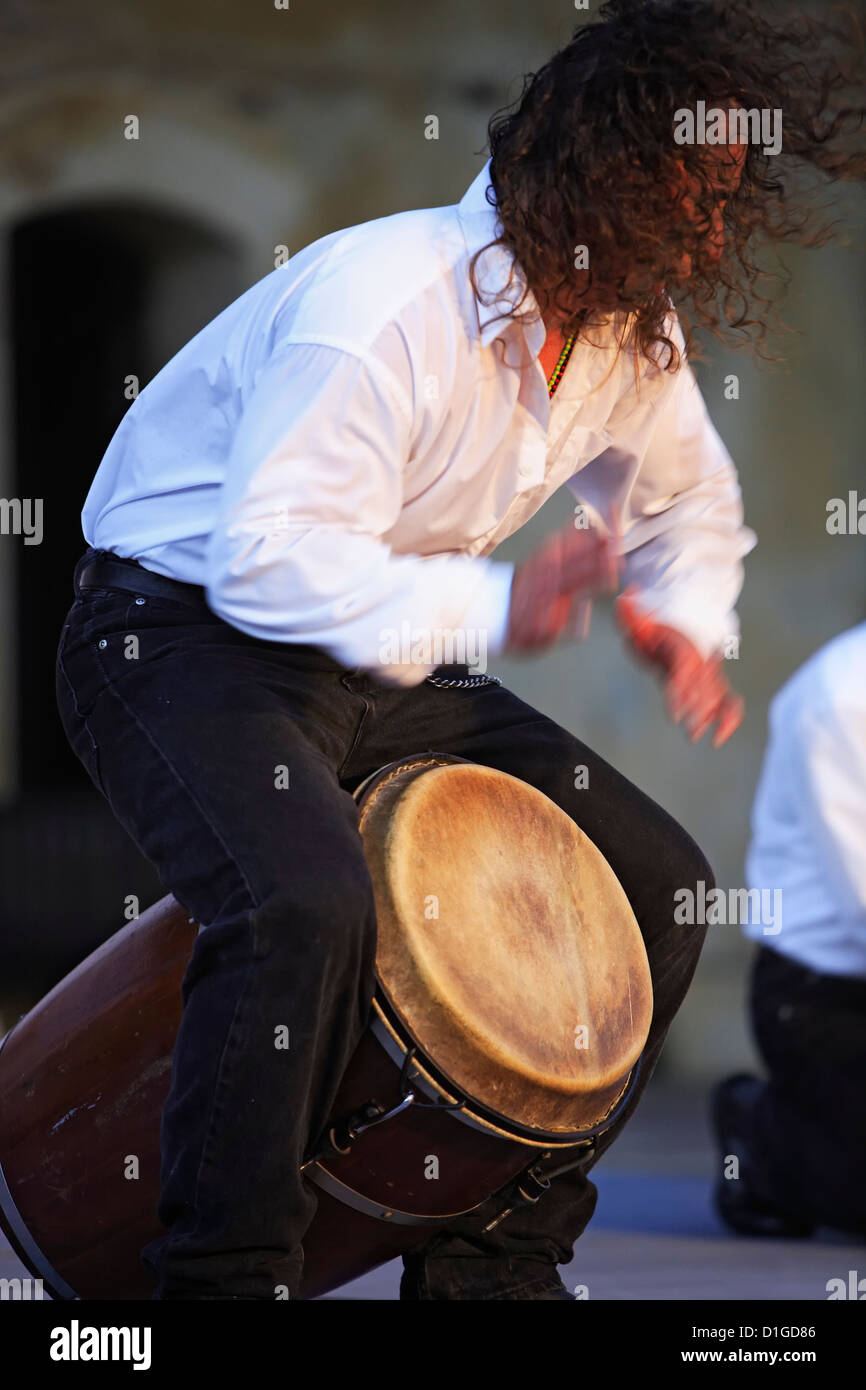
{"type": "Point", "coordinates": [682, 518]}
{"type": "Point", "coordinates": [314, 483]}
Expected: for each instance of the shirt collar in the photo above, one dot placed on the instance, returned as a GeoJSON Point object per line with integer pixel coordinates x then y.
{"type": "Point", "coordinates": [480, 224]}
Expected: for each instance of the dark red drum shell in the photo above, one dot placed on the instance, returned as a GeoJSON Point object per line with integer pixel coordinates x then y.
{"type": "Point", "coordinates": [83, 1079]}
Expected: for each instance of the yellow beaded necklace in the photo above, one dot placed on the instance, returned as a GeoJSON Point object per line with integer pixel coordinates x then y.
{"type": "Point", "coordinates": [562, 361]}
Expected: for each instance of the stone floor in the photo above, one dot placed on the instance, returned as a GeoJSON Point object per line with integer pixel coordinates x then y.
{"type": "Point", "coordinates": [654, 1234]}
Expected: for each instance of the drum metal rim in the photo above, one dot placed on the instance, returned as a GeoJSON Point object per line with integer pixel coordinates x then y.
{"type": "Point", "coordinates": [392, 1033]}
{"type": "Point", "coordinates": [387, 1031]}
{"type": "Point", "coordinates": [18, 1232]}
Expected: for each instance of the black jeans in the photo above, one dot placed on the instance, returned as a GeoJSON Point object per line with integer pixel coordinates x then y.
{"type": "Point", "coordinates": [809, 1126]}
{"type": "Point", "coordinates": [184, 724]}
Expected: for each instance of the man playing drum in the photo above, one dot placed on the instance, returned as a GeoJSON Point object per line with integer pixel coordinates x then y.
{"type": "Point", "coordinates": [328, 465]}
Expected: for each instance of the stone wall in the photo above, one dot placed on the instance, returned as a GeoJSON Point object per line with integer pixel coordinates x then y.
{"type": "Point", "coordinates": [259, 127]}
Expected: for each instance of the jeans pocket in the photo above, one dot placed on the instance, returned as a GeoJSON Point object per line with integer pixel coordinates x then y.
{"type": "Point", "coordinates": [79, 681]}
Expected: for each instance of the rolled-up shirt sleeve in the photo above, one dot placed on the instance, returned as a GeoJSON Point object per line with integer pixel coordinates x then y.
{"type": "Point", "coordinates": [680, 507]}
{"type": "Point", "coordinates": [686, 542]}
{"type": "Point", "coordinates": [299, 552]}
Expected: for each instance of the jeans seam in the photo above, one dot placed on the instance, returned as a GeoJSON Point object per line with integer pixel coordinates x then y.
{"type": "Point", "coordinates": [219, 1084]}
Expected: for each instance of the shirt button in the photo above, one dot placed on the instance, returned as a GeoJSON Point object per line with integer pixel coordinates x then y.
{"type": "Point", "coordinates": [141, 600]}
{"type": "Point", "coordinates": [102, 642]}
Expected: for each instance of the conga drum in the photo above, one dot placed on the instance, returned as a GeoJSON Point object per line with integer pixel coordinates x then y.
{"type": "Point", "coordinates": [512, 1006]}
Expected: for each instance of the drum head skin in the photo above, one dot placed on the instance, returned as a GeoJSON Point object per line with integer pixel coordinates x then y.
{"type": "Point", "coordinates": [507, 948]}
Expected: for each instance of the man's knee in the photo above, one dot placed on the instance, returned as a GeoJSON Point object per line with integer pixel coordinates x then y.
{"type": "Point", "coordinates": [671, 878]}
{"type": "Point", "coordinates": [685, 862]}
{"type": "Point", "coordinates": [324, 907]}
{"type": "Point", "coordinates": [663, 862]}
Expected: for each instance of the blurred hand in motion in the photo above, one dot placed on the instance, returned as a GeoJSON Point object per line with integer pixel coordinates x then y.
{"type": "Point", "coordinates": [696, 691]}
{"type": "Point", "coordinates": [552, 588]}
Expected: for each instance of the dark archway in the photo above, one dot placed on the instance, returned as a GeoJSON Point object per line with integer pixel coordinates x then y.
{"type": "Point", "coordinates": [98, 293]}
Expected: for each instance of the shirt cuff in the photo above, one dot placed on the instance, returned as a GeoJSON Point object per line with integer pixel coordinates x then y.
{"type": "Point", "coordinates": [487, 614]}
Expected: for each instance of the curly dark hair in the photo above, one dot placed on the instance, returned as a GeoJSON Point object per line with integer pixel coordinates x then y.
{"type": "Point", "coordinates": [588, 157]}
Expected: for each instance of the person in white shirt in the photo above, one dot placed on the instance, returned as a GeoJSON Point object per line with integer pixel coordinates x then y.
{"type": "Point", "coordinates": [295, 520]}
{"type": "Point", "coordinates": [800, 1135]}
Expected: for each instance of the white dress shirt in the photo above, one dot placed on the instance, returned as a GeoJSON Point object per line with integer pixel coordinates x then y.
{"type": "Point", "coordinates": [336, 454]}
{"type": "Point", "coordinates": [809, 817]}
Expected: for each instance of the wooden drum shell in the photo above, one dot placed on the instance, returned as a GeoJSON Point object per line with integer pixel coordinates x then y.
{"type": "Point", "coordinates": [83, 1080]}
{"type": "Point", "coordinates": [63, 1163]}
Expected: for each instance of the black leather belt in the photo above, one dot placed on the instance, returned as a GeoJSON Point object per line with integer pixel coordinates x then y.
{"type": "Point", "coordinates": [112, 572]}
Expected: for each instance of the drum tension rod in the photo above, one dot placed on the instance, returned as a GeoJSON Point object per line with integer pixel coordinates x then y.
{"type": "Point", "coordinates": [533, 1182]}
{"type": "Point", "coordinates": [372, 1114]}
{"type": "Point", "coordinates": [342, 1135]}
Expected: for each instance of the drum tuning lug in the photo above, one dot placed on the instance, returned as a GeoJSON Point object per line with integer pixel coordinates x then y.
{"type": "Point", "coordinates": [341, 1136]}
{"type": "Point", "coordinates": [379, 1116]}
{"type": "Point", "coordinates": [532, 1186]}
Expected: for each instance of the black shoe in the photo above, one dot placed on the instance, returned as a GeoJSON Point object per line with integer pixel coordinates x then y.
{"type": "Point", "coordinates": [441, 1280]}
{"type": "Point", "coordinates": [210, 1297]}
{"type": "Point", "coordinates": [738, 1201]}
